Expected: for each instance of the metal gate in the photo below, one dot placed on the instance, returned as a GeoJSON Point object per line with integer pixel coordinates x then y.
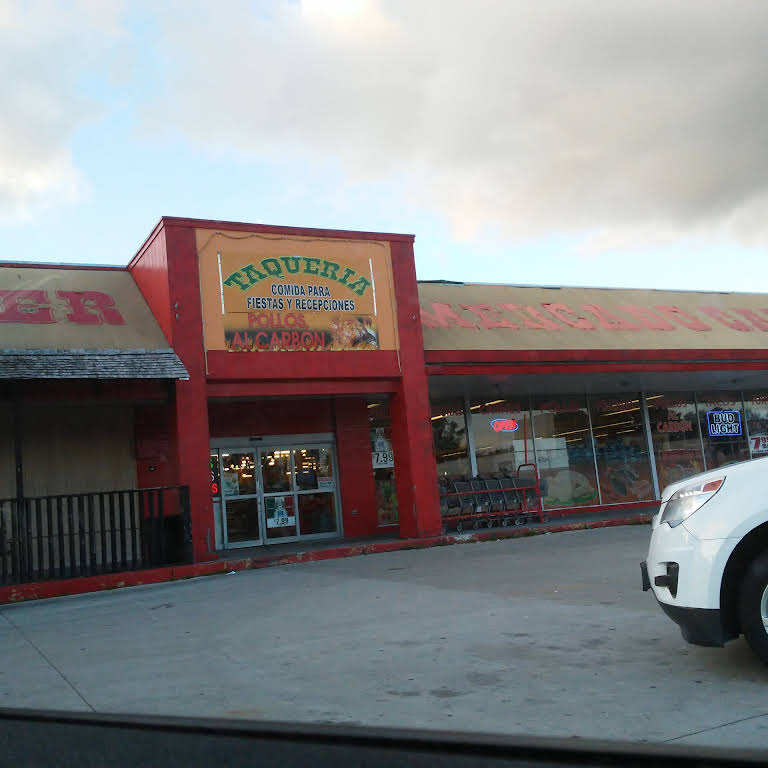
{"type": "Point", "coordinates": [88, 534]}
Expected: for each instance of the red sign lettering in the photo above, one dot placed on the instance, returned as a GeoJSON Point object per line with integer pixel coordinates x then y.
{"type": "Point", "coordinates": [487, 319]}
{"type": "Point", "coordinates": [566, 315]}
{"type": "Point", "coordinates": [723, 317]}
{"type": "Point", "coordinates": [25, 307]}
{"type": "Point", "coordinates": [504, 425]}
{"type": "Point", "coordinates": [91, 308]}
{"type": "Point", "coordinates": [682, 317]}
{"type": "Point", "coordinates": [443, 317]}
{"type": "Point", "coordinates": [608, 320]}
{"type": "Point", "coordinates": [82, 307]}
{"type": "Point", "coordinates": [533, 318]}
{"type": "Point", "coordinates": [674, 426]}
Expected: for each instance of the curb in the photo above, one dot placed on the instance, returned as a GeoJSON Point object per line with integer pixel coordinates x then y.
{"type": "Point", "coordinates": [47, 589]}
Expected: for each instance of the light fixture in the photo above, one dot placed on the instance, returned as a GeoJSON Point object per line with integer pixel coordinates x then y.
{"type": "Point", "coordinates": [628, 410]}
{"type": "Point", "coordinates": [572, 432]}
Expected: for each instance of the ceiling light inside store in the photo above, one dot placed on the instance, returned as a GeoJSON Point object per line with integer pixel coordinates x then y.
{"type": "Point", "coordinates": [572, 432]}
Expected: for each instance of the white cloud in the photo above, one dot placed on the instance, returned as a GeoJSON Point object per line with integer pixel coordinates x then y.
{"type": "Point", "coordinates": [633, 118]}
{"type": "Point", "coordinates": [47, 48]}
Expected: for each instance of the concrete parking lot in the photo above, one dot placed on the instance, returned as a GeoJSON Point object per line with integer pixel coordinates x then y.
{"type": "Point", "coordinates": [548, 635]}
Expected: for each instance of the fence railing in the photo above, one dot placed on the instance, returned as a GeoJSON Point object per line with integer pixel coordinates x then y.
{"type": "Point", "coordinates": [88, 534]}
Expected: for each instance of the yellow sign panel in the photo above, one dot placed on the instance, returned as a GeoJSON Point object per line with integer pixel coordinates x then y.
{"type": "Point", "coordinates": [293, 294]}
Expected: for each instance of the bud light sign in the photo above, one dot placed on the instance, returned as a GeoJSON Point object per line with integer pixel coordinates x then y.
{"type": "Point", "coordinates": [723, 423]}
{"type": "Point", "coordinates": [504, 425]}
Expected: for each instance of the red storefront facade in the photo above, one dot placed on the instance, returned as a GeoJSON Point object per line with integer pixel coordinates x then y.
{"type": "Point", "coordinates": [283, 396]}
{"type": "Point", "coordinates": [286, 385]}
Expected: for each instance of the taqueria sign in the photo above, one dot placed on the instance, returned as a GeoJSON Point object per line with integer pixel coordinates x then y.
{"type": "Point", "coordinates": [315, 297]}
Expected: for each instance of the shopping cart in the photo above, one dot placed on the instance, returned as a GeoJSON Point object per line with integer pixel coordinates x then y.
{"type": "Point", "coordinates": [490, 501]}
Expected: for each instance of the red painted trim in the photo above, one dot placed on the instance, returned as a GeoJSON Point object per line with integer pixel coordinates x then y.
{"type": "Point", "coordinates": [415, 469]}
{"type": "Point", "coordinates": [286, 366]}
{"type": "Point", "coordinates": [149, 269]}
{"type": "Point", "coordinates": [53, 265]}
{"type": "Point", "coordinates": [589, 355]}
{"type": "Point", "coordinates": [147, 242]}
{"type": "Point", "coordinates": [347, 234]}
{"type": "Point", "coordinates": [46, 589]}
{"type": "Point", "coordinates": [522, 368]}
{"type": "Point", "coordinates": [189, 424]}
{"type": "Point", "coordinates": [240, 389]}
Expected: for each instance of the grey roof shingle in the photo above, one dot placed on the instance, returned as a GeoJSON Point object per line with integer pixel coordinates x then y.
{"type": "Point", "coordinates": [91, 364]}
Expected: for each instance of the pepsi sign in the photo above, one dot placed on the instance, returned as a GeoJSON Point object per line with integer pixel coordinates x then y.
{"type": "Point", "coordinates": [504, 425]}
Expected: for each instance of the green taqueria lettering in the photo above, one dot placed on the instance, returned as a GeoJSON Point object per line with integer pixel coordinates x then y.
{"type": "Point", "coordinates": [251, 274]}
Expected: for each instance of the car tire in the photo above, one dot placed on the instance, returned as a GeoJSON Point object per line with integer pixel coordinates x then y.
{"type": "Point", "coordinates": [753, 606]}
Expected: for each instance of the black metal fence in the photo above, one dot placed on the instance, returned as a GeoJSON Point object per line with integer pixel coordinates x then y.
{"type": "Point", "coordinates": [87, 534]}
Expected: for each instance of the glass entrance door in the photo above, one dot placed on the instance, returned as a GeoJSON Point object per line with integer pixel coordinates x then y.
{"type": "Point", "coordinates": [271, 494]}
{"type": "Point", "coordinates": [240, 498]}
{"type": "Point", "coordinates": [299, 493]}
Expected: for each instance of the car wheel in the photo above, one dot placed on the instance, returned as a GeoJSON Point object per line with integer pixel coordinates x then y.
{"type": "Point", "coordinates": [753, 606]}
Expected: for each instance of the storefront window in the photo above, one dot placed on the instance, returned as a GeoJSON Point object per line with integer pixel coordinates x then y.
{"type": "Point", "coordinates": [564, 451]}
{"type": "Point", "coordinates": [314, 469]}
{"type": "Point", "coordinates": [238, 472]}
{"type": "Point", "coordinates": [276, 471]}
{"type": "Point", "coordinates": [502, 435]}
{"type": "Point", "coordinates": [449, 435]}
{"type": "Point", "coordinates": [383, 459]}
{"type": "Point", "coordinates": [675, 433]}
{"type": "Point", "coordinates": [721, 420]}
{"type": "Point", "coordinates": [756, 404]}
{"type": "Point", "coordinates": [621, 449]}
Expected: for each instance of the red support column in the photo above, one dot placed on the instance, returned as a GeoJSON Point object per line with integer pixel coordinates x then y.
{"type": "Point", "coordinates": [418, 503]}
{"type": "Point", "coordinates": [189, 406]}
{"type": "Point", "coordinates": [353, 446]}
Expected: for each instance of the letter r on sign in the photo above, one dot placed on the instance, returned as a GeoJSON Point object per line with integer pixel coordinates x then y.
{"type": "Point", "coordinates": [91, 308]}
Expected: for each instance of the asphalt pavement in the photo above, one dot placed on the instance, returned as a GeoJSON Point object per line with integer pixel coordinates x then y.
{"type": "Point", "coordinates": [549, 635]}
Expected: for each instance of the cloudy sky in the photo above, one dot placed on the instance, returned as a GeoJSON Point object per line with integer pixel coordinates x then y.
{"type": "Point", "coordinates": [568, 143]}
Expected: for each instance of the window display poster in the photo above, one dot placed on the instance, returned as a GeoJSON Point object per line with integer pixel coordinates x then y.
{"type": "Point", "coordinates": [231, 483]}
{"type": "Point", "coordinates": [386, 496]}
{"type": "Point", "coordinates": [572, 487]}
{"type": "Point", "coordinates": [625, 480]}
{"type": "Point", "coordinates": [280, 512]}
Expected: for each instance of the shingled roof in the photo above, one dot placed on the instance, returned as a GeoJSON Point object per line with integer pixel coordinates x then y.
{"type": "Point", "coordinates": [91, 364]}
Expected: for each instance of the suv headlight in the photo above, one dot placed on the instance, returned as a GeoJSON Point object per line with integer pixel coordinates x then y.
{"type": "Point", "coordinates": [686, 501]}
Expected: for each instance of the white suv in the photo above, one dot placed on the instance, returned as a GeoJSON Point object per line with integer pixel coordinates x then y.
{"type": "Point", "coordinates": [708, 560]}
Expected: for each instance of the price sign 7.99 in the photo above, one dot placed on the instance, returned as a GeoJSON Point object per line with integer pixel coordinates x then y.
{"type": "Point", "coordinates": [383, 459]}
